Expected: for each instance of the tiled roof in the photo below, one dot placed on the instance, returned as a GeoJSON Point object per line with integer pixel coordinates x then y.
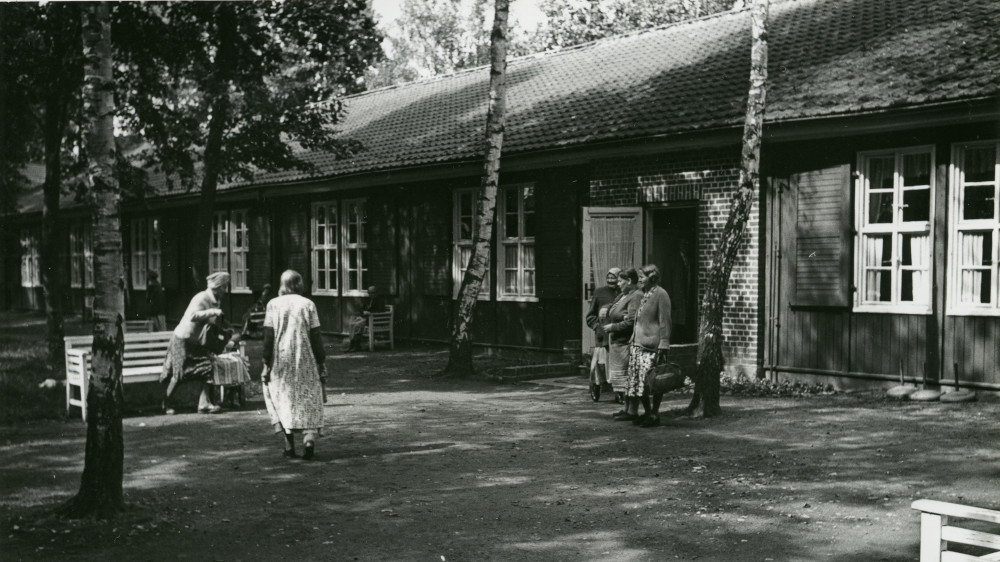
{"type": "Point", "coordinates": [825, 58]}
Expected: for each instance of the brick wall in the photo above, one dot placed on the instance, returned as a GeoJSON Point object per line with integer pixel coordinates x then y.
{"type": "Point", "coordinates": [710, 178]}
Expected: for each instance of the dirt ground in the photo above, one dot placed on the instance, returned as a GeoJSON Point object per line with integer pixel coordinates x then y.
{"type": "Point", "coordinates": [413, 468]}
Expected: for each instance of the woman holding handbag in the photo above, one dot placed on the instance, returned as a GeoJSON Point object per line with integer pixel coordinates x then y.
{"type": "Point", "coordinates": [620, 322]}
{"type": "Point", "coordinates": [649, 347]}
{"type": "Point", "coordinates": [187, 357]}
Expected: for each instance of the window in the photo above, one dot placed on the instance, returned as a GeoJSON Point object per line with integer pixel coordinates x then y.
{"type": "Point", "coordinates": [355, 247]}
{"type": "Point", "coordinates": [325, 233]}
{"type": "Point", "coordinates": [463, 231]}
{"type": "Point", "coordinates": [229, 248]}
{"type": "Point", "coordinates": [145, 246]}
{"type": "Point", "coordinates": [30, 275]}
{"type": "Point", "coordinates": [894, 212]}
{"type": "Point", "coordinates": [340, 248]}
{"type": "Point", "coordinates": [975, 229]}
{"type": "Point", "coordinates": [81, 257]}
{"type": "Point", "coordinates": [516, 209]}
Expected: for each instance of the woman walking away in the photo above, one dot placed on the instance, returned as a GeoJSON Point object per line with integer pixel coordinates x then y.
{"type": "Point", "coordinates": [620, 322]}
{"type": "Point", "coordinates": [293, 359]}
{"type": "Point", "coordinates": [187, 359]}
{"type": "Point", "coordinates": [650, 344]}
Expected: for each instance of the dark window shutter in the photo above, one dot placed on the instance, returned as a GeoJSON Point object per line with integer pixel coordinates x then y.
{"type": "Point", "coordinates": [170, 260]}
{"type": "Point", "coordinates": [296, 244]}
{"type": "Point", "coordinates": [557, 256]}
{"type": "Point", "coordinates": [382, 245]}
{"type": "Point", "coordinates": [823, 237]}
{"type": "Point", "coordinates": [260, 250]}
{"type": "Point", "coordinates": [432, 232]}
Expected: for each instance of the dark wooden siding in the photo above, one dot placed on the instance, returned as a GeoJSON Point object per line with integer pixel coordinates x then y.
{"type": "Point", "coordinates": [821, 337]}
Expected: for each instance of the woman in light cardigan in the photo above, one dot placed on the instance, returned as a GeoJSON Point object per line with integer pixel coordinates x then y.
{"type": "Point", "coordinates": [186, 358]}
{"type": "Point", "coordinates": [650, 346]}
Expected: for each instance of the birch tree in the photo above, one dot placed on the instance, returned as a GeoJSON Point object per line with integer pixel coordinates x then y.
{"type": "Point", "coordinates": [460, 357]}
{"type": "Point", "coordinates": [710, 360]}
{"type": "Point", "coordinates": [101, 484]}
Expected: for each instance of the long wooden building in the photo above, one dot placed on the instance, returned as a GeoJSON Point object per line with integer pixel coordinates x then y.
{"type": "Point", "coordinates": [872, 250]}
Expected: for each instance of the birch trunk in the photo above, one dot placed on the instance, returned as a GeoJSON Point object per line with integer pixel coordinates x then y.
{"type": "Point", "coordinates": [101, 485]}
{"type": "Point", "coordinates": [460, 358]}
{"type": "Point", "coordinates": [710, 361]}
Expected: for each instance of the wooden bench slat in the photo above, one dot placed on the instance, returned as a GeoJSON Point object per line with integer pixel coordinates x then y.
{"type": "Point", "coordinates": [968, 536]}
{"type": "Point", "coordinates": [949, 556]}
{"type": "Point", "coordinates": [957, 510]}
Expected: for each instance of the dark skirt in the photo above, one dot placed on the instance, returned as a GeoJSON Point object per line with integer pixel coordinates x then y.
{"type": "Point", "coordinates": [186, 361]}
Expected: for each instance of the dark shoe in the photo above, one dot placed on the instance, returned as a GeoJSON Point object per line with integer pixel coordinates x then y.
{"type": "Point", "coordinates": [619, 398]}
{"type": "Point", "coordinates": [308, 454]}
{"type": "Point", "coordinates": [595, 392]}
{"type": "Point", "coordinates": [169, 412]}
{"type": "Point", "coordinates": [619, 413]}
{"type": "Point", "coordinates": [639, 420]}
{"type": "Point", "coordinates": [626, 417]}
{"type": "Point", "coordinates": [651, 421]}
{"type": "Point", "coordinates": [289, 453]}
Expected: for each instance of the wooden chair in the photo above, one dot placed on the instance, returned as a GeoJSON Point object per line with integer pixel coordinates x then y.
{"type": "Point", "coordinates": [380, 328]}
{"type": "Point", "coordinates": [937, 531]}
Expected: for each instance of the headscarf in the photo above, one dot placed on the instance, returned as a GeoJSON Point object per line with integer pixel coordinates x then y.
{"type": "Point", "coordinates": [217, 280]}
{"type": "Point", "coordinates": [614, 271]}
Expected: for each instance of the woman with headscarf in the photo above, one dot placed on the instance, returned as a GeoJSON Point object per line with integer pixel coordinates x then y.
{"type": "Point", "coordinates": [603, 296]}
{"type": "Point", "coordinates": [293, 359]}
{"type": "Point", "coordinates": [618, 326]}
{"type": "Point", "coordinates": [187, 359]}
{"type": "Point", "coordinates": [650, 345]}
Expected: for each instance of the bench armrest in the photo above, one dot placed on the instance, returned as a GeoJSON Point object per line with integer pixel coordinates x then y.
{"type": "Point", "coordinates": [81, 353]}
{"type": "Point", "coordinates": [956, 510]}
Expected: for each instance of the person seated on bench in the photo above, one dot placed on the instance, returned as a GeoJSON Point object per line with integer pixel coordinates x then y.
{"type": "Point", "coordinates": [187, 359]}
{"type": "Point", "coordinates": [373, 303]}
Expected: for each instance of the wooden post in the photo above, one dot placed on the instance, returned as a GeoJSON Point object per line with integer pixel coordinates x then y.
{"type": "Point", "coordinates": [931, 544]}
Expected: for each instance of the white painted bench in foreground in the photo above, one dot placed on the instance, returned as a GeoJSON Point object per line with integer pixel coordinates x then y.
{"type": "Point", "coordinates": [937, 530]}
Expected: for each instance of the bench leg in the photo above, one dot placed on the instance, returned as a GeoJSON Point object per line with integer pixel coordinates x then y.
{"type": "Point", "coordinates": [69, 394]}
{"type": "Point", "coordinates": [83, 399]}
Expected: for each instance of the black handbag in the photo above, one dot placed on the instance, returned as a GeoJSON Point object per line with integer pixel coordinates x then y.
{"type": "Point", "coordinates": [214, 338]}
{"type": "Point", "coordinates": [664, 378]}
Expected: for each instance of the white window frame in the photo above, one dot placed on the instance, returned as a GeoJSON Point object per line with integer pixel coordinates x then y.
{"type": "Point", "coordinates": [360, 246]}
{"type": "Point", "coordinates": [139, 245]}
{"type": "Point", "coordinates": [459, 244]}
{"type": "Point", "coordinates": [521, 241]}
{"type": "Point", "coordinates": [30, 274]}
{"type": "Point", "coordinates": [81, 255]}
{"type": "Point", "coordinates": [327, 247]}
{"type": "Point", "coordinates": [154, 251]}
{"type": "Point", "coordinates": [897, 229]}
{"type": "Point", "coordinates": [957, 226]}
{"type": "Point", "coordinates": [227, 226]}
{"type": "Point", "coordinates": [239, 251]}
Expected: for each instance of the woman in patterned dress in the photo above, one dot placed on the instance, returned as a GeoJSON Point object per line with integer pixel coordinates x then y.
{"type": "Point", "coordinates": [620, 321]}
{"type": "Point", "coordinates": [293, 358]}
{"type": "Point", "coordinates": [649, 346]}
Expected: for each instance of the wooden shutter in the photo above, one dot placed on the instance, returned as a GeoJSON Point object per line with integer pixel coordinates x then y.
{"type": "Point", "coordinates": [295, 243]}
{"type": "Point", "coordinates": [823, 226]}
{"type": "Point", "coordinates": [260, 249]}
{"type": "Point", "coordinates": [557, 244]}
{"type": "Point", "coordinates": [382, 245]}
{"type": "Point", "coordinates": [432, 228]}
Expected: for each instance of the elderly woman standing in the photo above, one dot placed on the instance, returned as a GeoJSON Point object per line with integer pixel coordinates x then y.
{"type": "Point", "coordinates": [186, 358]}
{"type": "Point", "coordinates": [619, 326]}
{"type": "Point", "coordinates": [294, 356]}
{"type": "Point", "coordinates": [650, 345]}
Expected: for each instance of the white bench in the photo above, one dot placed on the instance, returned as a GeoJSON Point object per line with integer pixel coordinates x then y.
{"type": "Point", "coordinates": [143, 361]}
{"type": "Point", "coordinates": [937, 530]}
{"type": "Point", "coordinates": [138, 326]}
{"type": "Point", "coordinates": [379, 328]}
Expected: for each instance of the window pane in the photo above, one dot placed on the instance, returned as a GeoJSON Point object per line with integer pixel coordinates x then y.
{"type": "Point", "coordinates": [976, 249]}
{"type": "Point", "coordinates": [529, 282]}
{"type": "Point", "coordinates": [980, 164]}
{"type": "Point", "coordinates": [878, 250]}
{"type": "Point", "coordinates": [880, 208]}
{"type": "Point", "coordinates": [529, 212]}
{"type": "Point", "coordinates": [880, 172]}
{"type": "Point", "coordinates": [917, 169]}
{"type": "Point", "coordinates": [465, 228]}
{"type": "Point", "coordinates": [879, 283]}
{"type": "Point", "coordinates": [916, 205]}
{"type": "Point", "coordinates": [916, 250]}
{"type": "Point", "coordinates": [978, 202]}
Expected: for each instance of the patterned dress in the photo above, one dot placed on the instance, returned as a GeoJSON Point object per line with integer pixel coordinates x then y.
{"type": "Point", "coordinates": [640, 361]}
{"type": "Point", "coordinates": [294, 397]}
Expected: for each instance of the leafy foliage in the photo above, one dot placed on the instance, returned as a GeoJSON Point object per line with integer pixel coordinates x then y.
{"type": "Point", "coordinates": [745, 386]}
{"type": "Point", "coordinates": [280, 69]}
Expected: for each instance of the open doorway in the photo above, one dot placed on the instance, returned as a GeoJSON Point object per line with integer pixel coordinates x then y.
{"type": "Point", "coordinates": [672, 235]}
